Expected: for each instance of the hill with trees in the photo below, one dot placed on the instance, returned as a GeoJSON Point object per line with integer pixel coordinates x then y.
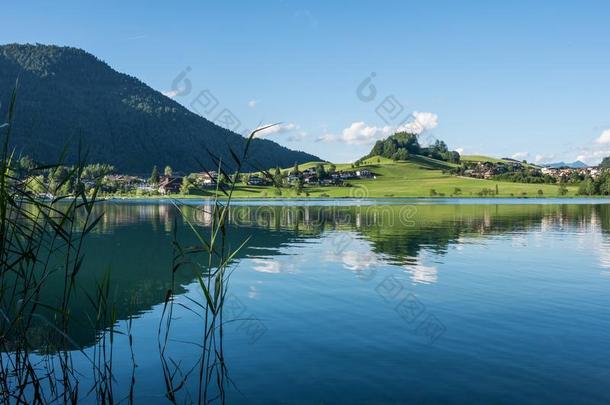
{"type": "Point", "coordinates": [66, 94]}
{"type": "Point", "coordinates": [402, 145]}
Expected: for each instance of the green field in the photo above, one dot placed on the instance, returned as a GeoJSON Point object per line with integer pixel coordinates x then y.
{"type": "Point", "coordinates": [487, 159]}
{"type": "Point", "coordinates": [479, 158]}
{"type": "Point", "coordinates": [413, 178]}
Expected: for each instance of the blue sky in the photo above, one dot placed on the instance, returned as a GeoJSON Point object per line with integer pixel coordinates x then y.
{"type": "Point", "coordinates": [521, 78]}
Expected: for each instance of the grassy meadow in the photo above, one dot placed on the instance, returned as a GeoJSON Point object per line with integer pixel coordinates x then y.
{"type": "Point", "coordinates": [413, 178]}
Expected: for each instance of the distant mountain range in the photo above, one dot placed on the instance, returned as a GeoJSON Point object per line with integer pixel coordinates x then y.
{"type": "Point", "coordinates": [66, 94]}
{"type": "Point", "coordinates": [574, 165]}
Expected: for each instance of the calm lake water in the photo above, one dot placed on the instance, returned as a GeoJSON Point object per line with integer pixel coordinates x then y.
{"type": "Point", "coordinates": [375, 302]}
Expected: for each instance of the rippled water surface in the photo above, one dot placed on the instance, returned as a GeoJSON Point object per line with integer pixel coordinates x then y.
{"type": "Point", "coordinates": [402, 302]}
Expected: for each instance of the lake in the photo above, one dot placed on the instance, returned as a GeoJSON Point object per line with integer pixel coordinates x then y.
{"type": "Point", "coordinates": [369, 301]}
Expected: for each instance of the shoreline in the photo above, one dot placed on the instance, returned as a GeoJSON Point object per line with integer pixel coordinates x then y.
{"type": "Point", "coordinates": [366, 201]}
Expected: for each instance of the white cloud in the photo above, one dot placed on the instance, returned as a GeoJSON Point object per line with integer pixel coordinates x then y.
{"type": "Point", "coordinates": [420, 122]}
{"type": "Point", "coordinates": [252, 103]}
{"type": "Point", "coordinates": [299, 136]}
{"type": "Point", "coordinates": [327, 137]}
{"type": "Point", "coordinates": [421, 274]}
{"type": "Point", "coordinates": [604, 138]}
{"type": "Point", "coordinates": [277, 129]}
{"type": "Point", "coordinates": [592, 156]}
{"type": "Point", "coordinates": [460, 151]}
{"type": "Point", "coordinates": [545, 158]}
{"type": "Point", "coordinates": [292, 131]}
{"type": "Point", "coordinates": [358, 133]}
{"type": "Point", "coordinates": [520, 155]}
{"type": "Point", "coordinates": [266, 266]}
{"type": "Point", "coordinates": [170, 93]}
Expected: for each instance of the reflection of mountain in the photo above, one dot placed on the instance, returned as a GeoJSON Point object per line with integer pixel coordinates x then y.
{"type": "Point", "coordinates": [134, 242]}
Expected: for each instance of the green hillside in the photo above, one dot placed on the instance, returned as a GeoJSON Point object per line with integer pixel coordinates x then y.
{"type": "Point", "coordinates": [487, 159]}
{"type": "Point", "coordinates": [415, 177]}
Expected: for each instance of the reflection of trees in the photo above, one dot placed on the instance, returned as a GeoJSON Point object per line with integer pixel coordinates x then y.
{"type": "Point", "coordinates": [134, 241]}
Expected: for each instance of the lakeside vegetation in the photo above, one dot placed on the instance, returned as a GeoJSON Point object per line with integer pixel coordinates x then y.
{"type": "Point", "coordinates": [41, 265]}
{"type": "Point", "coordinates": [417, 177]}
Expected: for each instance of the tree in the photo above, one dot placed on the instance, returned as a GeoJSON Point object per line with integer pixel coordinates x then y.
{"type": "Point", "coordinates": [298, 186]}
{"type": "Point", "coordinates": [35, 184]}
{"type": "Point", "coordinates": [587, 187]}
{"type": "Point", "coordinates": [332, 168]}
{"type": "Point", "coordinates": [154, 176]}
{"type": "Point", "coordinates": [401, 154]}
{"type": "Point", "coordinates": [25, 165]}
{"type": "Point", "coordinates": [236, 177]}
{"type": "Point", "coordinates": [604, 187]}
{"type": "Point", "coordinates": [320, 172]}
{"type": "Point", "coordinates": [451, 156]}
{"type": "Point", "coordinates": [168, 171]}
{"type": "Point", "coordinates": [605, 163]}
{"type": "Point", "coordinates": [277, 177]}
{"type": "Point", "coordinates": [97, 171]}
{"type": "Point", "coordinates": [439, 147]}
{"type": "Point", "coordinates": [563, 190]}
{"type": "Point", "coordinates": [222, 179]}
{"type": "Point", "coordinates": [186, 186]}
{"type": "Point", "coordinates": [60, 181]}
{"type": "Point", "coordinates": [295, 169]}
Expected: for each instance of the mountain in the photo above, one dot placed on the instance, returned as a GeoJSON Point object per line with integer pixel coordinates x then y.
{"type": "Point", "coordinates": [66, 94]}
{"type": "Point", "coordinates": [574, 165]}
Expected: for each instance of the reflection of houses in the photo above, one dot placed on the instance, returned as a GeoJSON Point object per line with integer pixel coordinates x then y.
{"type": "Point", "coordinates": [170, 185]}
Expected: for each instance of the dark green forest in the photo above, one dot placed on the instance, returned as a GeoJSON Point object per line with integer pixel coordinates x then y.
{"type": "Point", "coordinates": [66, 96]}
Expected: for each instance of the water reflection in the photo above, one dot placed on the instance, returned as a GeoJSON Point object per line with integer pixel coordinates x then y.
{"type": "Point", "coordinates": [134, 241]}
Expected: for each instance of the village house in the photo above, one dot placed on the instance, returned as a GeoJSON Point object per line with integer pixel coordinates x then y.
{"type": "Point", "coordinates": [257, 181]}
{"type": "Point", "coordinates": [567, 172]}
{"type": "Point", "coordinates": [123, 178]}
{"type": "Point", "coordinates": [312, 179]}
{"type": "Point", "coordinates": [364, 173]}
{"type": "Point", "coordinates": [292, 178]}
{"type": "Point", "coordinates": [205, 179]}
{"type": "Point", "coordinates": [170, 185]}
{"type": "Point", "coordinates": [347, 175]}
